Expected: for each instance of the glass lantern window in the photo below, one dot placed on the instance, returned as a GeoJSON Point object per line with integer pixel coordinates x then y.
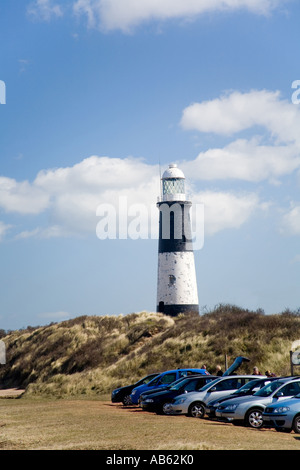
{"type": "Point", "coordinates": [173, 186]}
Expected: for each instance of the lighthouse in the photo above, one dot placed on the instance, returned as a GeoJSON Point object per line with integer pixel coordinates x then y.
{"type": "Point", "coordinates": [176, 279]}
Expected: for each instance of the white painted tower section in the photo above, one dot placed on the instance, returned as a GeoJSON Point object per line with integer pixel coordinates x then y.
{"type": "Point", "coordinates": [176, 282]}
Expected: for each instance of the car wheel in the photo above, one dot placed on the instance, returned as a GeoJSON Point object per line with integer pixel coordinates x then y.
{"type": "Point", "coordinates": [296, 424]}
{"type": "Point", "coordinates": [127, 400]}
{"type": "Point", "coordinates": [196, 410]}
{"type": "Point", "coordinates": [254, 418]}
{"type": "Point", "coordinates": [167, 408]}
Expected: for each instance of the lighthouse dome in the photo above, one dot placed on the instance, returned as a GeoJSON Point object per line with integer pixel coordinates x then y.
{"type": "Point", "coordinates": [173, 172]}
{"type": "Point", "coordinates": [173, 184]}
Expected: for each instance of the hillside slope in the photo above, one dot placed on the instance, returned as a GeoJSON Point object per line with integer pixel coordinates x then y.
{"type": "Point", "coordinates": [94, 354]}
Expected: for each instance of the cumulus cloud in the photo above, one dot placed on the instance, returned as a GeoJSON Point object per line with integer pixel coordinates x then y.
{"type": "Point", "coordinates": [245, 160]}
{"type": "Point", "coordinates": [236, 111]}
{"type": "Point", "coordinates": [227, 210]}
{"type": "Point", "coordinates": [271, 154]}
{"type": "Point", "coordinates": [70, 198]}
{"type": "Point", "coordinates": [44, 10]}
{"type": "Point", "coordinates": [22, 197]}
{"type": "Point", "coordinates": [127, 14]}
{"type": "Point", "coordinates": [291, 220]}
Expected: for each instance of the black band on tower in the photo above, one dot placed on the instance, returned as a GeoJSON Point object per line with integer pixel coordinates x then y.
{"type": "Point", "coordinates": [174, 310]}
{"type": "Point", "coordinates": [174, 227]}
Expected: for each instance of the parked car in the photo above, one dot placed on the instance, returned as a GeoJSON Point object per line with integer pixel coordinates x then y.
{"type": "Point", "coordinates": [193, 404]}
{"type": "Point", "coordinates": [284, 416]}
{"type": "Point", "coordinates": [248, 410]}
{"type": "Point", "coordinates": [163, 379]}
{"type": "Point", "coordinates": [122, 394]}
{"type": "Point", "coordinates": [160, 400]}
{"type": "Point", "coordinates": [248, 389]}
{"type": "Point", "coordinates": [145, 394]}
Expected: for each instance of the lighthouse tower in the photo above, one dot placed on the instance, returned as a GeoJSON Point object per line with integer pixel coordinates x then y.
{"type": "Point", "coordinates": [176, 282]}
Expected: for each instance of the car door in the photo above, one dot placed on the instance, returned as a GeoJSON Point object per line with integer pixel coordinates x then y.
{"type": "Point", "coordinates": [224, 388]}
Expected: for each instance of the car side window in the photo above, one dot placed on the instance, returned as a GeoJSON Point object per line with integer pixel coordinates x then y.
{"type": "Point", "coordinates": [168, 378]}
{"type": "Point", "coordinates": [290, 389]}
{"type": "Point", "coordinates": [191, 386]}
{"type": "Point", "coordinates": [183, 373]}
{"type": "Point", "coordinates": [230, 384]}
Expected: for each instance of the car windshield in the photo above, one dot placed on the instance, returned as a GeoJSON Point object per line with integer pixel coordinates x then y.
{"type": "Point", "coordinates": [268, 389]}
{"type": "Point", "coordinates": [247, 387]}
{"type": "Point", "coordinates": [179, 383]}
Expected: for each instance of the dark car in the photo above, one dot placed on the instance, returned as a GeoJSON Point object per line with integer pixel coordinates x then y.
{"type": "Point", "coordinates": [167, 377]}
{"type": "Point", "coordinates": [165, 387]}
{"type": "Point", "coordinates": [160, 400]}
{"type": "Point", "coordinates": [248, 389]}
{"type": "Point", "coordinates": [122, 394]}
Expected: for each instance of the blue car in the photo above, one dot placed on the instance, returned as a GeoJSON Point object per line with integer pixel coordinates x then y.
{"type": "Point", "coordinates": [284, 416]}
{"type": "Point", "coordinates": [163, 380]}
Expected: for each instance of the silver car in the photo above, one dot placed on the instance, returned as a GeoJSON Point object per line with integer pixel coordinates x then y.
{"type": "Point", "coordinates": [249, 410]}
{"type": "Point", "coordinates": [284, 416]}
{"type": "Point", "coordinates": [193, 404]}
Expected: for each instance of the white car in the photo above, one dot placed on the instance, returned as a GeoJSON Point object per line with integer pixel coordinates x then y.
{"type": "Point", "coordinates": [193, 404]}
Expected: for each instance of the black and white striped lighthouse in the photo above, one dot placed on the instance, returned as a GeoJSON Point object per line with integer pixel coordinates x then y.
{"type": "Point", "coordinates": [176, 282]}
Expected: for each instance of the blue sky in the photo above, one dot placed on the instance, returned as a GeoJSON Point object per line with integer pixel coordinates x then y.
{"type": "Point", "coordinates": [99, 93]}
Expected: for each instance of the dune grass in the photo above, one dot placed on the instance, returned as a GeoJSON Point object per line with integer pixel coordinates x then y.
{"type": "Point", "coordinates": [91, 355]}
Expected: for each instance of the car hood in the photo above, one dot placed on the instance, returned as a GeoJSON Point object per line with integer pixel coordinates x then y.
{"type": "Point", "coordinates": [292, 402]}
{"type": "Point", "coordinates": [238, 400]}
{"type": "Point", "coordinates": [123, 389]}
{"type": "Point", "coordinates": [229, 397]}
{"type": "Point", "coordinates": [158, 394]}
{"type": "Point", "coordinates": [192, 395]}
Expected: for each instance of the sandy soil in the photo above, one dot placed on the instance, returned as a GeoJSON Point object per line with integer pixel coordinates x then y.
{"type": "Point", "coordinates": [11, 392]}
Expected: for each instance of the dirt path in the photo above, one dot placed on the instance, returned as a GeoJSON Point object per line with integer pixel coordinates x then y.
{"type": "Point", "coordinates": [11, 392]}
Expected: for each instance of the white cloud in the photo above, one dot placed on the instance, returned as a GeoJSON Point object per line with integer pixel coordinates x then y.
{"type": "Point", "coordinates": [227, 210]}
{"type": "Point", "coordinates": [44, 10]}
{"type": "Point", "coordinates": [237, 111]}
{"type": "Point", "coordinates": [291, 220]}
{"type": "Point", "coordinates": [127, 14]}
{"type": "Point", "coordinates": [69, 197]}
{"type": "Point", "coordinates": [22, 197]}
{"type": "Point", "coordinates": [245, 160]}
{"type": "Point", "coordinates": [277, 121]}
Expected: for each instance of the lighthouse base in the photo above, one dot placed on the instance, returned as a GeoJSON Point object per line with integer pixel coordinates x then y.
{"type": "Point", "coordinates": [174, 310]}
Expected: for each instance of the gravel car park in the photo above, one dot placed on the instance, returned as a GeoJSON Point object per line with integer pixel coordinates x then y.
{"type": "Point", "coordinates": [248, 410]}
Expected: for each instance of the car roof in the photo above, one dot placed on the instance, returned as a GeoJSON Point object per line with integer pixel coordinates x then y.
{"type": "Point", "coordinates": [250, 376]}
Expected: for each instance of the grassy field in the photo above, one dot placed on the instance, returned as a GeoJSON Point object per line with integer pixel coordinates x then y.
{"type": "Point", "coordinates": [83, 424]}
